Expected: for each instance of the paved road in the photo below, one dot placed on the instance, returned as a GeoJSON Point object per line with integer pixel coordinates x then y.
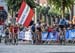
{"type": "Point", "coordinates": [24, 48]}
{"type": "Point", "coordinates": [35, 48]}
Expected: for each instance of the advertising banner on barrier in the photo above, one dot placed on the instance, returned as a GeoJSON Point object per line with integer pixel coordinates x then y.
{"type": "Point", "coordinates": [70, 34]}
{"type": "Point", "coordinates": [21, 35]}
{"type": "Point", "coordinates": [28, 35]}
{"type": "Point", "coordinates": [44, 36]}
{"type": "Point", "coordinates": [53, 36]}
{"type": "Point", "coordinates": [49, 36]}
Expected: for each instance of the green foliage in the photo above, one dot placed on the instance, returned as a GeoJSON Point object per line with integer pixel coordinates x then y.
{"type": "Point", "coordinates": [31, 3]}
{"type": "Point", "coordinates": [61, 5]}
{"type": "Point", "coordinates": [15, 4]}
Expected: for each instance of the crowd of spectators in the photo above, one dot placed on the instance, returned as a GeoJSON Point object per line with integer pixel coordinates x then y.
{"type": "Point", "coordinates": [11, 32]}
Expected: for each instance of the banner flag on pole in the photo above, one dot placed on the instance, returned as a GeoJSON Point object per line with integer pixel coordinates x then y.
{"type": "Point", "coordinates": [25, 15]}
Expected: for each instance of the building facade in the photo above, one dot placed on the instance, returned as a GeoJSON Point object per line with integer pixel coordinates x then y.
{"type": "Point", "coordinates": [41, 2]}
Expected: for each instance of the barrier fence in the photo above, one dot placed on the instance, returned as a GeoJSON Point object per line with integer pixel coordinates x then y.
{"type": "Point", "coordinates": [70, 34]}
{"type": "Point", "coordinates": [47, 36]}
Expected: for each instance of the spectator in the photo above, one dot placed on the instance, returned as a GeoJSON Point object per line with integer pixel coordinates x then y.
{"type": "Point", "coordinates": [6, 35]}
{"type": "Point", "coordinates": [34, 34]}
{"type": "Point", "coordinates": [62, 36]}
{"type": "Point", "coordinates": [50, 29]}
{"type": "Point", "coordinates": [10, 33]}
{"type": "Point", "coordinates": [38, 32]}
{"type": "Point", "coordinates": [15, 33]}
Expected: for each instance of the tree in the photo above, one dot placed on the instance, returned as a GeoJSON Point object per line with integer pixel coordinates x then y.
{"type": "Point", "coordinates": [15, 4]}
{"type": "Point", "coordinates": [61, 5]}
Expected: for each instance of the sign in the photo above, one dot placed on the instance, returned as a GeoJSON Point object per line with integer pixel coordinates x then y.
{"type": "Point", "coordinates": [53, 36]}
{"type": "Point", "coordinates": [44, 36]}
{"type": "Point", "coordinates": [28, 35]}
{"type": "Point", "coordinates": [70, 34]}
{"type": "Point", "coordinates": [21, 35]}
{"type": "Point", "coordinates": [49, 36]}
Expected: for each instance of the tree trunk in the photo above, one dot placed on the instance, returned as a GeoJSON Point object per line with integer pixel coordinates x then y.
{"type": "Point", "coordinates": [63, 8]}
{"type": "Point", "coordinates": [72, 11]}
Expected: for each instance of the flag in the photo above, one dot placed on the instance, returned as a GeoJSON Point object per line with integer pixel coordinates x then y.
{"type": "Point", "coordinates": [25, 15]}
